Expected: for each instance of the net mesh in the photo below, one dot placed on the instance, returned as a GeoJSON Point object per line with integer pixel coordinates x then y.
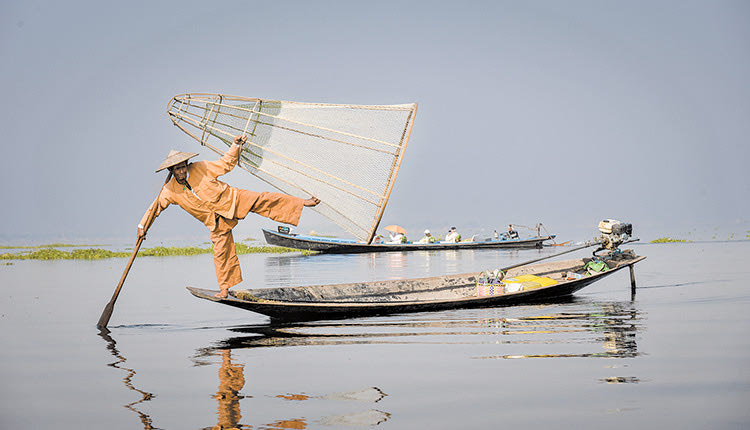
{"type": "Point", "coordinates": [346, 155]}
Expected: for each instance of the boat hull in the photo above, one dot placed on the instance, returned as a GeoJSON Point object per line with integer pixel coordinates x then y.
{"type": "Point", "coordinates": [343, 246]}
{"type": "Point", "coordinates": [301, 304]}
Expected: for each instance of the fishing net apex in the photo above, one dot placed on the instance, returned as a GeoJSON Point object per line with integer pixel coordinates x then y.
{"type": "Point", "coordinates": [346, 155]}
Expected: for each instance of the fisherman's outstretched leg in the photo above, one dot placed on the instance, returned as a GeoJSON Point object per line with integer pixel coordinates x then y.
{"type": "Point", "coordinates": [277, 206]}
{"type": "Point", "coordinates": [228, 272]}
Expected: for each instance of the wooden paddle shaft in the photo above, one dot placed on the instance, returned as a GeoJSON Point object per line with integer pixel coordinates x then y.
{"type": "Point", "coordinates": [107, 313]}
{"type": "Point", "coordinates": [109, 308]}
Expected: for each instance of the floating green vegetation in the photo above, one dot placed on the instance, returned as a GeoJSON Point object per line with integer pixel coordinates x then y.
{"type": "Point", "coordinates": [172, 251]}
{"type": "Point", "coordinates": [245, 249]}
{"type": "Point", "coordinates": [668, 240]}
{"type": "Point", "coordinates": [56, 254]}
{"type": "Point", "coordinates": [159, 251]}
{"type": "Point", "coordinates": [51, 245]}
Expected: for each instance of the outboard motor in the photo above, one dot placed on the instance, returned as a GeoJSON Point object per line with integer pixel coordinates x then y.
{"type": "Point", "coordinates": [614, 233]}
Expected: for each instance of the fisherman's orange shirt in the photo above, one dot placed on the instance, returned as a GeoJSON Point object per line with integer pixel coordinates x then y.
{"type": "Point", "coordinates": [210, 197]}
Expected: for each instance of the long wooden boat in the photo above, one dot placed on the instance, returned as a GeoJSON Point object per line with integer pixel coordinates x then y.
{"type": "Point", "coordinates": [343, 246]}
{"type": "Point", "coordinates": [413, 295]}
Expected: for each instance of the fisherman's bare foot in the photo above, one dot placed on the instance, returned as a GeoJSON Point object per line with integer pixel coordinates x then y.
{"type": "Point", "coordinates": [312, 201]}
{"type": "Point", "coordinates": [222, 294]}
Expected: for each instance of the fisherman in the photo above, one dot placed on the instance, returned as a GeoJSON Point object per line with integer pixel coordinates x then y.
{"type": "Point", "coordinates": [219, 206]}
{"type": "Point", "coordinates": [428, 238]}
{"type": "Point", "coordinates": [452, 236]}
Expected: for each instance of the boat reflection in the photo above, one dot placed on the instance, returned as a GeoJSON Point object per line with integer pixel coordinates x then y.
{"type": "Point", "coordinates": [128, 380]}
{"type": "Point", "coordinates": [232, 380]}
{"type": "Point", "coordinates": [607, 329]}
{"type": "Point", "coordinates": [614, 326]}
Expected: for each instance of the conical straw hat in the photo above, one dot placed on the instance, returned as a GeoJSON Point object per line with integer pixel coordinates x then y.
{"type": "Point", "coordinates": [175, 157]}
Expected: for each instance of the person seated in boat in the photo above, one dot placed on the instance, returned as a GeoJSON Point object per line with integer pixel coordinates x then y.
{"type": "Point", "coordinates": [377, 239]}
{"type": "Point", "coordinates": [397, 238]}
{"type": "Point", "coordinates": [512, 234]}
{"type": "Point", "coordinates": [195, 188]}
{"type": "Point", "coordinates": [452, 236]}
{"type": "Point", "coordinates": [428, 238]}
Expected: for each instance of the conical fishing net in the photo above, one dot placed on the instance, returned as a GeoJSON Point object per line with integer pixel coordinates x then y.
{"type": "Point", "coordinates": [346, 155]}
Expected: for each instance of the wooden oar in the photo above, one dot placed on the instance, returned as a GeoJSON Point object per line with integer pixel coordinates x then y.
{"type": "Point", "coordinates": [107, 313]}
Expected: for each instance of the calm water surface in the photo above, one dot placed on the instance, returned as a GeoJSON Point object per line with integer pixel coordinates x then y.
{"type": "Point", "coordinates": [673, 356]}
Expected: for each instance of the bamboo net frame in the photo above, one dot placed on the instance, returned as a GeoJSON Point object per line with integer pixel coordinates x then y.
{"type": "Point", "coordinates": [346, 155]}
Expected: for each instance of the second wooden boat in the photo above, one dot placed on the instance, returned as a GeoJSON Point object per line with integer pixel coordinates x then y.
{"type": "Point", "coordinates": [341, 246]}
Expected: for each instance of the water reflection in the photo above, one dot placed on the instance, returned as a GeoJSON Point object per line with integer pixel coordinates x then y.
{"type": "Point", "coordinates": [575, 328]}
{"type": "Point", "coordinates": [232, 380]}
{"type": "Point", "coordinates": [620, 380]}
{"type": "Point", "coordinates": [128, 380]}
{"type": "Point", "coordinates": [396, 264]}
{"type": "Point", "coordinates": [612, 325]}
{"type": "Point", "coordinates": [606, 329]}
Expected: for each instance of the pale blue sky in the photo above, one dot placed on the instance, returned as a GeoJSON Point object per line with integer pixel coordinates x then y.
{"type": "Point", "coordinates": [559, 112]}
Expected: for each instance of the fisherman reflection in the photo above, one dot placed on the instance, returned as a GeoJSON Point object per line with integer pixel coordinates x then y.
{"type": "Point", "coordinates": [231, 381]}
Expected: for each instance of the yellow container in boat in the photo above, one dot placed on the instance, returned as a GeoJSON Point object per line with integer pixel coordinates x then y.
{"type": "Point", "coordinates": [529, 282]}
{"type": "Point", "coordinates": [543, 280]}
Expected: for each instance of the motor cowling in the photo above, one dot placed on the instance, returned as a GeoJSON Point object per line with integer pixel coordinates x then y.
{"type": "Point", "coordinates": [614, 233]}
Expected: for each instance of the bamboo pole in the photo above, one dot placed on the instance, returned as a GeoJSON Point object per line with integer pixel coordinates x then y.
{"type": "Point", "coordinates": [200, 125]}
{"type": "Point", "coordinates": [209, 97]}
{"type": "Point", "coordinates": [394, 172]}
{"type": "Point", "coordinates": [312, 125]}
